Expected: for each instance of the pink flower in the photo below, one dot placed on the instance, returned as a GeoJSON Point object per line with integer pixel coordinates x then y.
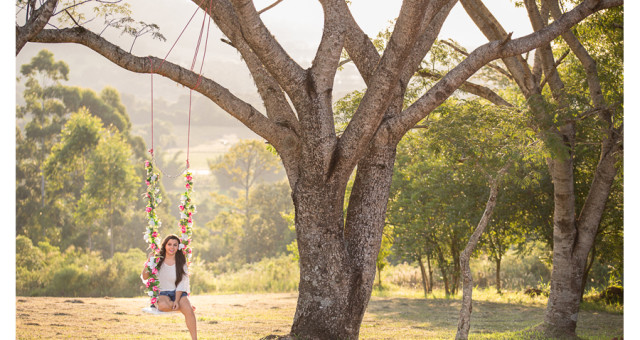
{"type": "Point", "coordinates": [188, 186]}
{"type": "Point", "coordinates": [190, 213]}
{"type": "Point", "coordinates": [153, 246]}
{"type": "Point", "coordinates": [147, 284]}
{"type": "Point", "coordinates": [154, 234]}
{"type": "Point", "coordinates": [184, 230]}
{"type": "Point", "coordinates": [146, 163]}
{"type": "Point", "coordinates": [154, 271]}
{"type": "Point", "coordinates": [189, 250]}
{"type": "Point", "coordinates": [181, 207]}
{"type": "Point", "coordinates": [147, 182]}
{"type": "Point", "coordinates": [148, 209]}
{"type": "Point", "coordinates": [190, 220]}
{"type": "Point", "coordinates": [153, 300]}
{"type": "Point", "coordinates": [148, 196]}
{"type": "Point", "coordinates": [155, 288]}
{"type": "Point", "coordinates": [189, 177]}
{"type": "Point", "coordinates": [152, 280]}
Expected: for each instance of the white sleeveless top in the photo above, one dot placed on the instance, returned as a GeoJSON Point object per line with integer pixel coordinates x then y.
{"type": "Point", "coordinates": [167, 278]}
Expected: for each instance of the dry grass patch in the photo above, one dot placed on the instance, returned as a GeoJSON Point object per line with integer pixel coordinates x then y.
{"type": "Point", "coordinates": [253, 316]}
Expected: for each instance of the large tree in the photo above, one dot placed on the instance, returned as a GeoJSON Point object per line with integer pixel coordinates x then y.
{"type": "Point", "coordinates": [565, 117]}
{"type": "Point", "coordinates": [337, 253]}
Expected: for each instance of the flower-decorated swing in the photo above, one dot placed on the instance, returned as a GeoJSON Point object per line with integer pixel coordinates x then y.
{"type": "Point", "coordinates": [153, 196]}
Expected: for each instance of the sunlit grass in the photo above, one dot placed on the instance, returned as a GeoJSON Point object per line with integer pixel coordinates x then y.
{"type": "Point", "coordinates": [401, 314]}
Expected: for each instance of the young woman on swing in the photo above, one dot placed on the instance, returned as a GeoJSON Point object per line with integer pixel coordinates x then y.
{"type": "Point", "coordinates": [174, 282]}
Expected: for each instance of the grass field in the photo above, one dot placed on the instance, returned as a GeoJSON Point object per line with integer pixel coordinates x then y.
{"type": "Point", "coordinates": [253, 316]}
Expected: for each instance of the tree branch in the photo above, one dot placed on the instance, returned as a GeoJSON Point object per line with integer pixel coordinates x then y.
{"type": "Point", "coordinates": [589, 65]}
{"type": "Point", "coordinates": [465, 53]}
{"type": "Point", "coordinates": [478, 90]}
{"type": "Point", "coordinates": [72, 18]}
{"type": "Point", "coordinates": [546, 55]}
{"type": "Point", "coordinates": [269, 7]}
{"type": "Point", "coordinates": [436, 13]}
{"type": "Point", "coordinates": [278, 108]}
{"type": "Point", "coordinates": [492, 29]}
{"type": "Point", "coordinates": [555, 67]}
{"type": "Point", "coordinates": [397, 126]}
{"type": "Point", "coordinates": [275, 59]}
{"type": "Point", "coordinates": [242, 111]}
{"type": "Point", "coordinates": [36, 22]}
{"type": "Point", "coordinates": [373, 105]}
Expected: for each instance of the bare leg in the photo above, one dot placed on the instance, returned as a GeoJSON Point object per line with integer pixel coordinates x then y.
{"type": "Point", "coordinates": [164, 303]}
{"type": "Point", "coordinates": [189, 317]}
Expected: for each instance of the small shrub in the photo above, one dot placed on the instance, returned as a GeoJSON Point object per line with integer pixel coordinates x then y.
{"type": "Point", "coordinates": [613, 295]}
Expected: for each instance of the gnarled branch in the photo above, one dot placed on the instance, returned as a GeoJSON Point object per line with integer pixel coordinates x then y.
{"type": "Point", "coordinates": [244, 112]}
{"type": "Point", "coordinates": [35, 23]}
{"type": "Point", "coordinates": [478, 90]}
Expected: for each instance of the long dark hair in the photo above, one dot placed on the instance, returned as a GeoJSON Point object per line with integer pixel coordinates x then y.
{"type": "Point", "coordinates": [180, 259]}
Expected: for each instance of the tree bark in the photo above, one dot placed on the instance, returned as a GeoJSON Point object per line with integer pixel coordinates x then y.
{"type": "Point", "coordinates": [337, 270]}
{"type": "Point", "coordinates": [424, 275]}
{"type": "Point", "coordinates": [35, 23]}
{"type": "Point", "coordinates": [464, 321]}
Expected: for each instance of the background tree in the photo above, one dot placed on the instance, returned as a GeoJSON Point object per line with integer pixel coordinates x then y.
{"type": "Point", "coordinates": [244, 165]}
{"type": "Point", "coordinates": [47, 115]}
{"type": "Point", "coordinates": [337, 254]}
{"type": "Point", "coordinates": [66, 154]}
{"type": "Point", "coordinates": [381, 261]}
{"type": "Point", "coordinates": [67, 164]}
{"type": "Point", "coordinates": [110, 187]}
{"type": "Point", "coordinates": [559, 114]}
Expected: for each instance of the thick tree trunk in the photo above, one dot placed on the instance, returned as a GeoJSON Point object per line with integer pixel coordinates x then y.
{"type": "Point", "coordinates": [573, 239]}
{"type": "Point", "coordinates": [424, 275]}
{"type": "Point", "coordinates": [324, 269]}
{"type": "Point", "coordinates": [566, 277]}
{"type": "Point", "coordinates": [364, 225]}
{"type": "Point", "coordinates": [338, 264]}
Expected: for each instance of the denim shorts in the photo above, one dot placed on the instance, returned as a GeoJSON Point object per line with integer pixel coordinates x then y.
{"type": "Point", "coordinates": [170, 293]}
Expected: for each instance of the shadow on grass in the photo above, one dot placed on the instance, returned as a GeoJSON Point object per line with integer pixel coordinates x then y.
{"type": "Point", "coordinates": [443, 313]}
{"type": "Point", "coordinates": [489, 320]}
